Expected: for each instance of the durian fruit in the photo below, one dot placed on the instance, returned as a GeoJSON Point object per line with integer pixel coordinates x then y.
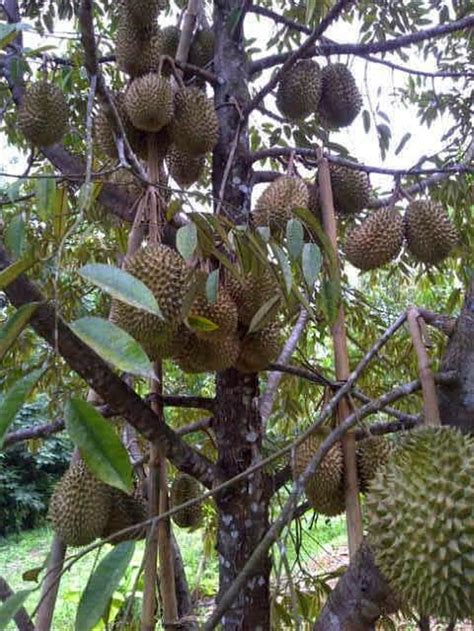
{"type": "Point", "coordinates": [104, 134]}
{"type": "Point", "coordinates": [165, 273]}
{"type": "Point", "coordinates": [149, 102]}
{"type": "Point", "coordinates": [183, 168]}
{"type": "Point", "coordinates": [80, 506]}
{"type": "Point", "coordinates": [126, 511]}
{"type": "Point", "coordinates": [376, 241]}
{"type": "Point", "coordinates": [259, 349]}
{"type": "Point", "coordinates": [183, 489]}
{"type": "Point", "coordinates": [350, 189]}
{"type": "Point", "coordinates": [194, 355]}
{"type": "Point", "coordinates": [429, 232]}
{"type": "Point", "coordinates": [201, 52]}
{"type": "Point", "coordinates": [250, 293]}
{"type": "Point", "coordinates": [143, 13]}
{"type": "Point", "coordinates": [195, 126]}
{"type": "Point", "coordinates": [275, 206]}
{"type": "Point", "coordinates": [222, 312]}
{"type": "Point", "coordinates": [421, 525]}
{"type": "Point", "coordinates": [372, 454]}
{"type": "Point", "coordinates": [126, 182]}
{"type": "Point", "coordinates": [314, 205]}
{"type": "Point", "coordinates": [137, 50]}
{"type": "Point", "coordinates": [299, 90]}
{"type": "Point", "coordinates": [170, 37]}
{"type": "Point", "coordinates": [325, 489]}
{"type": "Point", "coordinates": [44, 114]}
{"type": "Point", "coordinates": [341, 100]}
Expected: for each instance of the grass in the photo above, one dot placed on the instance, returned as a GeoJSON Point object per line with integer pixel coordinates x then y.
{"type": "Point", "coordinates": [28, 550]}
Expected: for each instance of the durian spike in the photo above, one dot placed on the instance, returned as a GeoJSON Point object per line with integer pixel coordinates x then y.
{"type": "Point", "coordinates": [338, 332]}
{"type": "Point", "coordinates": [430, 400]}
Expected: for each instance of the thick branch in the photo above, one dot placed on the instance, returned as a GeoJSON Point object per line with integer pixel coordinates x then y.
{"type": "Point", "coordinates": [103, 380]}
{"type": "Point", "coordinates": [22, 619]}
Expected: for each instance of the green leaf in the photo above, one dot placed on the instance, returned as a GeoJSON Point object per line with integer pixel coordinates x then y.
{"type": "Point", "coordinates": [15, 398]}
{"type": "Point", "coordinates": [15, 236]}
{"type": "Point", "coordinates": [99, 444]}
{"type": "Point", "coordinates": [310, 7]}
{"type": "Point", "coordinates": [121, 285]}
{"type": "Point", "coordinates": [311, 263]}
{"type": "Point", "coordinates": [114, 345]}
{"type": "Point", "coordinates": [402, 143]}
{"type": "Point", "coordinates": [294, 237]}
{"type": "Point", "coordinates": [11, 606]}
{"type": "Point", "coordinates": [9, 274]}
{"type": "Point", "coordinates": [187, 240]}
{"type": "Point", "coordinates": [264, 314]}
{"type": "Point", "coordinates": [45, 197]}
{"type": "Point", "coordinates": [102, 584]}
{"type": "Point", "coordinates": [8, 32]}
{"type": "Point", "coordinates": [285, 266]}
{"type": "Point", "coordinates": [199, 323]}
{"type": "Point", "coordinates": [212, 285]}
{"type": "Point", "coordinates": [14, 326]}
{"type": "Point", "coordinates": [366, 121]}
{"type": "Point", "coordinates": [330, 300]}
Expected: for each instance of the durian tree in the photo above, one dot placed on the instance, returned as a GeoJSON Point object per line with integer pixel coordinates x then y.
{"type": "Point", "coordinates": [200, 273]}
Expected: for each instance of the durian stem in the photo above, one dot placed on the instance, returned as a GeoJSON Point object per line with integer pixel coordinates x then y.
{"type": "Point", "coordinates": [341, 357]}
{"type": "Point", "coordinates": [430, 399]}
{"type": "Point", "coordinates": [51, 583]}
{"type": "Point", "coordinates": [148, 618]}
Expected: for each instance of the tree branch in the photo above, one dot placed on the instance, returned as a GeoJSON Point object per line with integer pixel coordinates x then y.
{"type": "Point", "coordinates": [110, 387]}
{"type": "Point", "coordinates": [22, 619]}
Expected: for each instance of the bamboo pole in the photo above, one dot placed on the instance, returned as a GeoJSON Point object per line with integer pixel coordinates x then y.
{"type": "Point", "coordinates": [341, 357]}
{"type": "Point", "coordinates": [431, 414]}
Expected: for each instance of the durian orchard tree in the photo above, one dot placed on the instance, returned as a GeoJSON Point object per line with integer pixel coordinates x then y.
{"type": "Point", "coordinates": [196, 338]}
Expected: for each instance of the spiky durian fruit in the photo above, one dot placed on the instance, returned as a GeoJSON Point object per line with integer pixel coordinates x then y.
{"type": "Point", "coordinates": [104, 134]}
{"type": "Point", "coordinates": [194, 355]}
{"type": "Point", "coordinates": [165, 273]}
{"type": "Point", "coordinates": [275, 206]}
{"type": "Point", "coordinates": [137, 50]}
{"type": "Point", "coordinates": [251, 292]}
{"type": "Point", "coordinates": [420, 522]}
{"type": "Point", "coordinates": [340, 98]}
{"type": "Point", "coordinates": [149, 102]}
{"type": "Point", "coordinates": [222, 313]}
{"type": "Point", "coordinates": [429, 232]}
{"type": "Point", "coordinates": [325, 489]}
{"type": "Point", "coordinates": [259, 349]}
{"type": "Point", "coordinates": [376, 241]}
{"type": "Point", "coordinates": [183, 489]}
{"type": "Point", "coordinates": [126, 182]}
{"type": "Point", "coordinates": [372, 454]}
{"type": "Point", "coordinates": [170, 37]}
{"type": "Point", "coordinates": [314, 205]}
{"type": "Point", "coordinates": [126, 511]}
{"type": "Point", "coordinates": [44, 114]}
{"type": "Point", "coordinates": [201, 52]}
{"type": "Point", "coordinates": [183, 168]}
{"type": "Point", "coordinates": [299, 90]}
{"type": "Point", "coordinates": [195, 127]}
{"type": "Point", "coordinates": [350, 189]}
{"type": "Point", "coordinates": [80, 506]}
{"type": "Point", "coordinates": [142, 13]}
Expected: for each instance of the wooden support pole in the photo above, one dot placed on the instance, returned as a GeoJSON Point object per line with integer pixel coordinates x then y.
{"type": "Point", "coordinates": [341, 357]}
{"type": "Point", "coordinates": [431, 414]}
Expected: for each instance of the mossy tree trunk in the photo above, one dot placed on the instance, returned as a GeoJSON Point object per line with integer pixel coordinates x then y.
{"type": "Point", "coordinates": [243, 508]}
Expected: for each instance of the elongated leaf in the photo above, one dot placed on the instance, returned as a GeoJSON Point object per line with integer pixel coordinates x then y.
{"type": "Point", "coordinates": [8, 32]}
{"type": "Point", "coordinates": [310, 7]}
{"type": "Point", "coordinates": [402, 143]}
{"type": "Point", "coordinates": [294, 238]}
{"type": "Point", "coordinates": [60, 212]}
{"type": "Point", "coordinates": [114, 345]}
{"type": "Point", "coordinates": [15, 398]}
{"type": "Point", "coordinates": [11, 606]}
{"type": "Point", "coordinates": [14, 326]}
{"type": "Point", "coordinates": [98, 443]}
{"type": "Point", "coordinates": [187, 240]}
{"type": "Point", "coordinates": [14, 270]}
{"type": "Point", "coordinates": [330, 300]}
{"type": "Point", "coordinates": [311, 263]}
{"type": "Point", "coordinates": [212, 285]}
{"type": "Point", "coordinates": [45, 197]}
{"type": "Point", "coordinates": [264, 314]}
{"type": "Point", "coordinates": [285, 266]}
{"type": "Point", "coordinates": [121, 285]}
{"type": "Point", "coordinates": [199, 323]}
{"type": "Point", "coordinates": [101, 586]}
{"type": "Point", "coordinates": [15, 236]}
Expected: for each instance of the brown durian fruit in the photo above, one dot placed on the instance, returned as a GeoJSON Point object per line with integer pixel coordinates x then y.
{"type": "Point", "coordinates": [137, 50]}
{"type": "Point", "coordinates": [377, 240]}
{"type": "Point", "coordinates": [165, 273]}
{"type": "Point", "coordinates": [223, 313]}
{"type": "Point", "coordinates": [126, 182]}
{"type": "Point", "coordinates": [183, 489]}
{"type": "Point", "coordinates": [149, 102]}
{"type": "Point", "coordinates": [80, 506]}
{"type": "Point", "coordinates": [314, 205]}
{"type": "Point", "coordinates": [325, 489]}
{"type": "Point", "coordinates": [276, 205]}
{"type": "Point", "coordinates": [170, 37]}
{"type": "Point", "coordinates": [299, 90]}
{"type": "Point", "coordinates": [260, 349]}
{"type": "Point", "coordinates": [195, 126]}
{"type": "Point", "coordinates": [372, 454]}
{"type": "Point", "coordinates": [44, 114]}
{"type": "Point", "coordinates": [142, 13]}
{"type": "Point", "coordinates": [126, 511]}
{"type": "Point", "coordinates": [250, 293]}
{"type": "Point", "coordinates": [350, 189]}
{"type": "Point", "coordinates": [429, 232]}
{"type": "Point", "coordinates": [194, 355]}
{"type": "Point", "coordinates": [201, 52]}
{"type": "Point", "coordinates": [183, 168]}
{"type": "Point", "coordinates": [341, 100]}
